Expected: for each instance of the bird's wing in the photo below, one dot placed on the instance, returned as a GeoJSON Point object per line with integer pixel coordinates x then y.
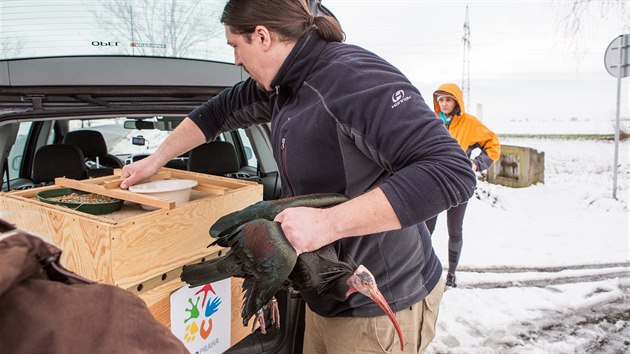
{"type": "Point", "coordinates": [316, 200]}
{"type": "Point", "coordinates": [269, 209]}
{"type": "Point", "coordinates": [259, 248]}
{"type": "Point", "coordinates": [227, 224]}
{"type": "Point", "coordinates": [267, 256]}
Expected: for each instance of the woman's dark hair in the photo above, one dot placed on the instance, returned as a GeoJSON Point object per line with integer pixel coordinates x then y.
{"type": "Point", "coordinates": [291, 19]}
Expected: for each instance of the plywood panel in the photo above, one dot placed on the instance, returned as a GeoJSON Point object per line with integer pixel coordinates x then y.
{"type": "Point", "coordinates": [84, 241]}
{"type": "Point", "coordinates": [238, 330]}
{"type": "Point", "coordinates": [147, 246]}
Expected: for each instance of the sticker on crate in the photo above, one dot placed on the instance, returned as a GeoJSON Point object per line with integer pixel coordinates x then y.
{"type": "Point", "coordinates": [201, 317]}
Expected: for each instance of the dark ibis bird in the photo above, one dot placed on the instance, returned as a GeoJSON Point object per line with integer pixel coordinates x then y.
{"type": "Point", "coordinates": [261, 254]}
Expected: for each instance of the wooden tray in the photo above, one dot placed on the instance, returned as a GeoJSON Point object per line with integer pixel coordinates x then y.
{"type": "Point", "coordinates": [109, 186]}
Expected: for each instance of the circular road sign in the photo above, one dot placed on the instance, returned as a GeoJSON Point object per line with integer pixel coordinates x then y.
{"type": "Point", "coordinates": [613, 60]}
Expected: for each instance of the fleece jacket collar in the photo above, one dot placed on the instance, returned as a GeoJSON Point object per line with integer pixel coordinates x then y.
{"type": "Point", "coordinates": [299, 62]}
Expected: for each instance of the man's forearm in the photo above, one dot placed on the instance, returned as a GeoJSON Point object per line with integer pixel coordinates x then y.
{"type": "Point", "coordinates": [185, 137]}
{"type": "Point", "coordinates": [309, 229]}
{"type": "Point", "coordinates": [367, 214]}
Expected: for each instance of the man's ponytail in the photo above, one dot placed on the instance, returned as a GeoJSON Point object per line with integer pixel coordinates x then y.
{"type": "Point", "coordinates": [291, 19]}
{"type": "Point", "coordinates": [329, 28]}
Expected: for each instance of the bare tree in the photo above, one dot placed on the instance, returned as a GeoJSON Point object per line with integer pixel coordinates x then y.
{"type": "Point", "coordinates": [576, 13]}
{"type": "Point", "coordinates": [162, 28]}
{"type": "Point", "coordinates": [578, 17]}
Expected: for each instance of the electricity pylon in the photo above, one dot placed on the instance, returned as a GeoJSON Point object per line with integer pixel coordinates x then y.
{"type": "Point", "coordinates": [466, 62]}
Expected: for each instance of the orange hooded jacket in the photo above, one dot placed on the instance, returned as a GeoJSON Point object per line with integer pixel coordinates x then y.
{"type": "Point", "coordinates": [469, 132]}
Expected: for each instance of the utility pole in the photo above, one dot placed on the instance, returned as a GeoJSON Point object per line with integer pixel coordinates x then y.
{"type": "Point", "coordinates": [466, 62]}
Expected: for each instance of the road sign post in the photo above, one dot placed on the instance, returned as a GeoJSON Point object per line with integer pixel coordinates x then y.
{"type": "Point", "coordinates": [617, 62]}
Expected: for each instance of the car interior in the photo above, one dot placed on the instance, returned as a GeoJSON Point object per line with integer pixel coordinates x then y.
{"type": "Point", "coordinates": [36, 164]}
{"type": "Point", "coordinates": [58, 160]}
{"type": "Point", "coordinates": [98, 160]}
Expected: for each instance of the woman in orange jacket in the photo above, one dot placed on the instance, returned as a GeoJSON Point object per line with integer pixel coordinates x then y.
{"type": "Point", "coordinates": [471, 134]}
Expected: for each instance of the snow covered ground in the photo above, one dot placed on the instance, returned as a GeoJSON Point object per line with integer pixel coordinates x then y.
{"type": "Point", "coordinates": [544, 269]}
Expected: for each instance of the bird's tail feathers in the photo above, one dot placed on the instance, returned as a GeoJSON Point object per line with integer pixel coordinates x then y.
{"type": "Point", "coordinates": [204, 272]}
{"type": "Point", "coordinates": [249, 307]}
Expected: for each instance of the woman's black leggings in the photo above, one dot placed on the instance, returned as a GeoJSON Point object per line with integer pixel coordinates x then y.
{"type": "Point", "coordinates": [455, 223]}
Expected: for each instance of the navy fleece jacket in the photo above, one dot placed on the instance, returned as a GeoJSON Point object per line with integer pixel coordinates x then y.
{"type": "Point", "coordinates": [345, 121]}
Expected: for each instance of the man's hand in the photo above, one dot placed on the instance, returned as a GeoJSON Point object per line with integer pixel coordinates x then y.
{"type": "Point", "coordinates": [138, 171]}
{"type": "Point", "coordinates": [474, 165]}
{"type": "Point", "coordinates": [307, 229]}
{"type": "Point", "coordinates": [186, 136]}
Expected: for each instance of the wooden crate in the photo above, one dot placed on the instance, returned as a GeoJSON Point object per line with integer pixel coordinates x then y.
{"type": "Point", "coordinates": [139, 250]}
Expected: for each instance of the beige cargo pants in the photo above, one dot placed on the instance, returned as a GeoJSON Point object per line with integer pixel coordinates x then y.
{"type": "Point", "coordinates": [338, 335]}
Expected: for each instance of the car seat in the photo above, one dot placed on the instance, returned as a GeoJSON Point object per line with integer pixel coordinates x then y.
{"type": "Point", "coordinates": [58, 160]}
{"type": "Point", "coordinates": [94, 148]}
{"type": "Point", "coordinates": [217, 158]}
{"type": "Point", "coordinates": [214, 158]}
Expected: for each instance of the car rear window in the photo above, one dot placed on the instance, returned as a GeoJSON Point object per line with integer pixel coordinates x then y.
{"type": "Point", "coordinates": [177, 29]}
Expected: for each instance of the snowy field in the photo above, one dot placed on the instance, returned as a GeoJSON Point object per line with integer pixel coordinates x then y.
{"type": "Point", "coordinates": [544, 269]}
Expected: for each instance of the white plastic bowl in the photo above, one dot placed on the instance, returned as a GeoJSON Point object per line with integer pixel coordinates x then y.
{"type": "Point", "coordinates": [177, 190]}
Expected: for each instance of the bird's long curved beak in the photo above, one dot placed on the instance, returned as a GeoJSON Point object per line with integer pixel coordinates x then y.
{"type": "Point", "coordinates": [363, 281]}
{"type": "Point", "coordinates": [379, 299]}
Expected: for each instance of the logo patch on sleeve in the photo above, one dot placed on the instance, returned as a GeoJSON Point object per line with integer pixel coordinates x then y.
{"type": "Point", "coordinates": [399, 97]}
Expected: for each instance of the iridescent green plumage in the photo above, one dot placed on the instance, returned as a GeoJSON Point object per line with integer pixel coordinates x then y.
{"type": "Point", "coordinates": [260, 253]}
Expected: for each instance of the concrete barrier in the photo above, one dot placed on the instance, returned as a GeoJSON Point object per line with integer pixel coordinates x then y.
{"type": "Point", "coordinates": [518, 167]}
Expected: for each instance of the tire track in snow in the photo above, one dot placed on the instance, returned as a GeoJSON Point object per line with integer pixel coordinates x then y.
{"type": "Point", "coordinates": [604, 328]}
{"type": "Point", "coordinates": [604, 272]}
{"type": "Point", "coordinates": [508, 269]}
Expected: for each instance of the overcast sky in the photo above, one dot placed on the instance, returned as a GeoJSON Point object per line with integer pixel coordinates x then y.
{"type": "Point", "coordinates": [523, 67]}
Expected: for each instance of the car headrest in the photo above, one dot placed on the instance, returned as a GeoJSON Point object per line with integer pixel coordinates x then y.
{"type": "Point", "coordinates": [58, 160]}
{"type": "Point", "coordinates": [91, 142]}
{"type": "Point", "coordinates": [215, 158]}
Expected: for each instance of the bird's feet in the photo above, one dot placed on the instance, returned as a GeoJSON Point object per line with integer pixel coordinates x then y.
{"type": "Point", "coordinates": [259, 321]}
{"type": "Point", "coordinates": [274, 314]}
